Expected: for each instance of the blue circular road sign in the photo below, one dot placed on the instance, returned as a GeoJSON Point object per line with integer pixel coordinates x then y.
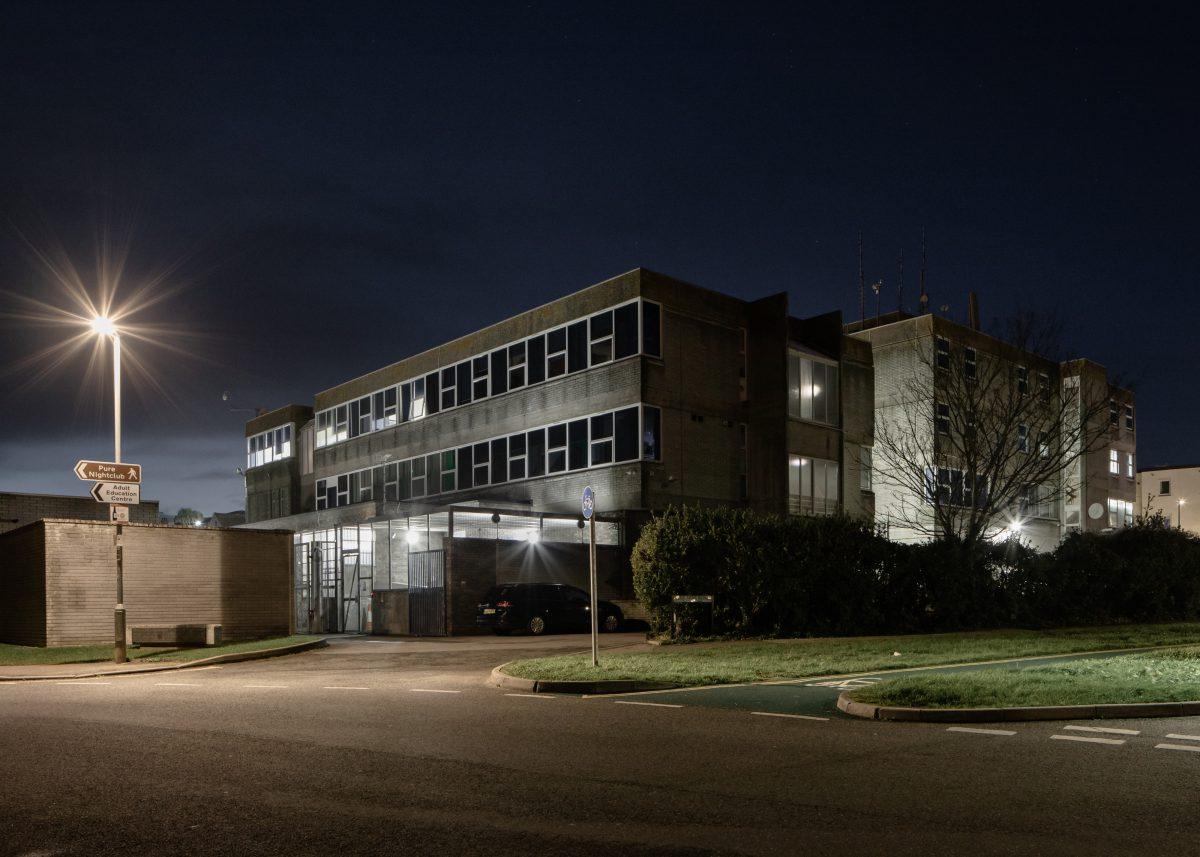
{"type": "Point", "coordinates": [589, 502]}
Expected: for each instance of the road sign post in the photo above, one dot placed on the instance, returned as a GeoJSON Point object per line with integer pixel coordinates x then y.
{"type": "Point", "coordinates": [589, 509]}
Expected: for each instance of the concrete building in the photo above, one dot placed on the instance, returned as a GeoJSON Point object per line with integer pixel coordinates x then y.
{"type": "Point", "coordinates": [17, 510]}
{"type": "Point", "coordinates": [462, 466]}
{"type": "Point", "coordinates": [918, 360]}
{"type": "Point", "coordinates": [1173, 492]}
{"type": "Point", "coordinates": [58, 581]}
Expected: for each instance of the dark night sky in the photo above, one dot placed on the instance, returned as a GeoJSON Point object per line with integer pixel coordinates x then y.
{"type": "Point", "coordinates": [335, 186]}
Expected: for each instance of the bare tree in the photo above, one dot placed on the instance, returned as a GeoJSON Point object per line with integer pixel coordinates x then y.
{"type": "Point", "coordinates": [984, 426]}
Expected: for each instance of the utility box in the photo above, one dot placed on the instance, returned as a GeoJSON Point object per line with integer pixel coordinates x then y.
{"type": "Point", "coordinates": [174, 635]}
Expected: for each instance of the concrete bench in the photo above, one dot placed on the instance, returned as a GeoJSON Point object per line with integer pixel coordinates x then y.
{"type": "Point", "coordinates": [174, 635]}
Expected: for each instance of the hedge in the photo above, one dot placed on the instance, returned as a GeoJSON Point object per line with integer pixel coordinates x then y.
{"type": "Point", "coordinates": [797, 576]}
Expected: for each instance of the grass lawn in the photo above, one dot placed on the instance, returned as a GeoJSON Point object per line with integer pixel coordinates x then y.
{"type": "Point", "coordinates": [34, 655]}
{"type": "Point", "coordinates": [1171, 676]}
{"type": "Point", "coordinates": [758, 660]}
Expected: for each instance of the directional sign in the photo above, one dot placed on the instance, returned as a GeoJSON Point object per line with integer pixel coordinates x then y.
{"type": "Point", "coordinates": [589, 502]}
{"type": "Point", "coordinates": [108, 471]}
{"type": "Point", "coordinates": [125, 493]}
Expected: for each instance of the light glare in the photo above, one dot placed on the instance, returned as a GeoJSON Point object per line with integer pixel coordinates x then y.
{"type": "Point", "coordinates": [103, 325]}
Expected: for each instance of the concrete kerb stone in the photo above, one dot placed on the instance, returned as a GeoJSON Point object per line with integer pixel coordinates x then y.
{"type": "Point", "coordinates": [528, 685]}
{"type": "Point", "coordinates": [1118, 711]}
{"type": "Point", "coordinates": [231, 657]}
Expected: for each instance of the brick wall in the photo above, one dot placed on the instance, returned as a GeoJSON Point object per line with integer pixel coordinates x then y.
{"type": "Point", "coordinates": [22, 586]}
{"type": "Point", "coordinates": [240, 579]}
{"type": "Point", "coordinates": [17, 510]}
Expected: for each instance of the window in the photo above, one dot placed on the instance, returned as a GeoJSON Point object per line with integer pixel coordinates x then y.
{"type": "Point", "coordinates": [1043, 445]}
{"type": "Point", "coordinates": [268, 446]}
{"type": "Point", "coordinates": [1164, 487]}
{"type": "Point", "coordinates": [516, 366]}
{"type": "Point", "coordinates": [651, 329]}
{"type": "Point", "coordinates": [1023, 380]}
{"type": "Point", "coordinates": [1044, 388]}
{"type": "Point", "coordinates": [482, 466]}
{"type": "Point", "coordinates": [1129, 417]}
{"type": "Point", "coordinates": [360, 486]}
{"type": "Point", "coordinates": [418, 398]}
{"type": "Point", "coordinates": [391, 482]}
{"type": "Point", "coordinates": [464, 377]}
{"type": "Point", "coordinates": [499, 371]}
{"type": "Point", "coordinates": [1114, 463]}
{"type": "Point", "coordinates": [625, 433]}
{"type": "Point", "coordinates": [577, 444]}
{"type": "Point", "coordinates": [602, 439]}
{"type": "Point", "coordinates": [952, 487]}
{"type": "Point", "coordinates": [556, 353]}
{"type": "Point", "coordinates": [556, 445]}
{"type": "Point", "coordinates": [432, 399]}
{"type": "Point", "coordinates": [433, 472]}
{"type": "Point", "coordinates": [577, 348]}
{"type": "Point", "coordinates": [651, 432]}
{"type": "Point", "coordinates": [499, 460]}
{"type": "Point", "coordinates": [1129, 473]}
{"type": "Point", "coordinates": [1120, 513]}
{"type": "Point", "coordinates": [341, 423]}
{"type": "Point", "coordinates": [324, 428]}
{"type": "Point", "coordinates": [516, 456]}
{"type": "Point", "coordinates": [479, 378]}
{"type": "Point", "coordinates": [864, 468]}
{"type": "Point", "coordinates": [812, 389]}
{"type": "Point", "coordinates": [536, 363]}
{"type": "Point", "coordinates": [601, 337]}
{"type": "Point", "coordinates": [383, 406]}
{"type": "Point", "coordinates": [418, 477]}
{"type": "Point", "coordinates": [535, 452]}
{"type": "Point", "coordinates": [942, 419]}
{"type": "Point", "coordinates": [449, 388]}
{"type": "Point", "coordinates": [1023, 438]}
{"type": "Point", "coordinates": [625, 331]}
{"type": "Point", "coordinates": [1113, 413]}
{"type": "Point", "coordinates": [364, 422]}
{"type": "Point", "coordinates": [449, 470]}
{"type": "Point", "coordinates": [343, 490]}
{"type": "Point", "coordinates": [1038, 501]}
{"type": "Point", "coordinates": [970, 368]}
{"type": "Point", "coordinates": [943, 353]}
{"type": "Point", "coordinates": [813, 487]}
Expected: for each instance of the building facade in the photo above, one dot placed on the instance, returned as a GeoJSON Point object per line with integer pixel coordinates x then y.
{"type": "Point", "coordinates": [1173, 492]}
{"type": "Point", "coordinates": [924, 367]}
{"type": "Point", "coordinates": [653, 391]}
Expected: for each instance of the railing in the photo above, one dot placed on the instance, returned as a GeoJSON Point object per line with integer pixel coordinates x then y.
{"type": "Point", "coordinates": [813, 506]}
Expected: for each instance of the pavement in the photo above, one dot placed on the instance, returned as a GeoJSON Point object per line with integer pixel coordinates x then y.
{"type": "Point", "coordinates": [401, 747]}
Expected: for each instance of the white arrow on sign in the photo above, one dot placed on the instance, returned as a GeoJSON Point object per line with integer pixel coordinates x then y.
{"type": "Point", "coordinates": [125, 493]}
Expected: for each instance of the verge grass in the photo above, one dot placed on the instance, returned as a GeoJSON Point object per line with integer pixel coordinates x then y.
{"type": "Point", "coordinates": [761, 660]}
{"type": "Point", "coordinates": [38, 656]}
{"type": "Point", "coordinates": [1169, 676]}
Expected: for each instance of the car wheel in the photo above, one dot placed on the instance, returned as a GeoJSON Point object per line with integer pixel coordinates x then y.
{"type": "Point", "coordinates": [611, 623]}
{"type": "Point", "coordinates": [537, 626]}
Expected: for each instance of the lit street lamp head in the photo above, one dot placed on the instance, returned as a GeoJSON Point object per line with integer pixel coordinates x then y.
{"type": "Point", "coordinates": [103, 326]}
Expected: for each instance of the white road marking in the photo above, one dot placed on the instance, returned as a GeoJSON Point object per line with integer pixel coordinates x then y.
{"type": "Point", "coordinates": [89, 683]}
{"type": "Point", "coordinates": [1189, 748]}
{"type": "Point", "coordinates": [1086, 739]}
{"type": "Point", "coordinates": [177, 684]}
{"type": "Point", "coordinates": [344, 687]}
{"type": "Point", "coordinates": [431, 690]}
{"type": "Point", "coordinates": [197, 669]}
{"type": "Point", "coordinates": [972, 731]}
{"type": "Point", "coordinates": [1104, 729]}
{"type": "Point", "coordinates": [846, 684]}
{"type": "Point", "coordinates": [532, 695]}
{"type": "Point", "coordinates": [1175, 737]}
{"type": "Point", "coordinates": [793, 716]}
{"type": "Point", "coordinates": [256, 686]}
{"type": "Point", "coordinates": [651, 704]}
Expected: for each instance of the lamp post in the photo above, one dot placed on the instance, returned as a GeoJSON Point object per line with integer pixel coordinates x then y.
{"type": "Point", "coordinates": [105, 327]}
{"type": "Point", "coordinates": [1179, 512]}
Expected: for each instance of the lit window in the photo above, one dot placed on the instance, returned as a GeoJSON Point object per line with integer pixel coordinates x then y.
{"type": "Point", "coordinates": [1129, 417]}
{"type": "Point", "coordinates": [812, 389]}
{"type": "Point", "coordinates": [1129, 472]}
{"type": "Point", "coordinates": [418, 398]}
{"type": "Point", "coordinates": [813, 487]}
{"type": "Point", "coordinates": [341, 423]}
{"type": "Point", "coordinates": [268, 446]}
{"type": "Point", "coordinates": [1114, 462]}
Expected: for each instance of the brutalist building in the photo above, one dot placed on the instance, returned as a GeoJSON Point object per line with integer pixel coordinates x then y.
{"type": "Point", "coordinates": [414, 488]}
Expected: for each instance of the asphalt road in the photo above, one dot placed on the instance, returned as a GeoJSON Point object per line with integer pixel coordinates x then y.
{"type": "Point", "coordinates": [400, 747]}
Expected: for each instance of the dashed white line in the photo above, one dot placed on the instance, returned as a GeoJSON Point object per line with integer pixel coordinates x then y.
{"type": "Point", "coordinates": [84, 683]}
{"type": "Point", "coordinates": [263, 686]}
{"type": "Point", "coordinates": [532, 695]}
{"type": "Point", "coordinates": [177, 684]}
{"type": "Point", "coordinates": [650, 704]}
{"type": "Point", "coordinates": [793, 716]}
{"type": "Point", "coordinates": [431, 690]}
{"type": "Point", "coordinates": [972, 731]}
{"type": "Point", "coordinates": [1187, 748]}
{"type": "Point", "coordinates": [1087, 739]}
{"type": "Point", "coordinates": [1104, 729]}
{"type": "Point", "coordinates": [1175, 737]}
{"type": "Point", "coordinates": [344, 687]}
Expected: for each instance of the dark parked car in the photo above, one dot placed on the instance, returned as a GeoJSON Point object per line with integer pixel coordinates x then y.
{"type": "Point", "coordinates": [541, 607]}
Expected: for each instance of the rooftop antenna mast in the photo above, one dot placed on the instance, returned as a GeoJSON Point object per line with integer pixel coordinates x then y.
{"type": "Point", "coordinates": [900, 282]}
{"type": "Point", "coordinates": [862, 285]}
{"type": "Point", "coordinates": [924, 294]}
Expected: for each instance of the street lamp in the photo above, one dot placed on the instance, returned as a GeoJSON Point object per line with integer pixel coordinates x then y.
{"type": "Point", "coordinates": [1179, 511]}
{"type": "Point", "coordinates": [105, 327]}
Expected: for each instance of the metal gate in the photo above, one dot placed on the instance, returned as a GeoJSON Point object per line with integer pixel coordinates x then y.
{"type": "Point", "coordinates": [427, 593]}
{"type": "Point", "coordinates": [316, 587]}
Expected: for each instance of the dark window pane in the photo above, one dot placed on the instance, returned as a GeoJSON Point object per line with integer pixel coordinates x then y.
{"type": "Point", "coordinates": [536, 452]}
{"type": "Point", "coordinates": [432, 398]}
{"type": "Point", "coordinates": [499, 372]}
{"type": "Point", "coordinates": [577, 440]}
{"type": "Point", "coordinates": [516, 444]}
{"type": "Point", "coordinates": [464, 382]}
{"type": "Point", "coordinates": [558, 435]}
{"type": "Point", "coordinates": [405, 480]}
{"type": "Point", "coordinates": [626, 429]}
{"type": "Point", "coordinates": [556, 365]}
{"type": "Point", "coordinates": [602, 325]}
{"type": "Point", "coordinates": [406, 403]}
{"type": "Point", "coordinates": [465, 462]}
{"type": "Point", "coordinates": [651, 330]}
{"type": "Point", "coordinates": [482, 456]}
{"type": "Point", "coordinates": [556, 461]}
{"type": "Point", "coordinates": [626, 328]}
{"type": "Point", "coordinates": [354, 418]}
{"type": "Point", "coordinates": [499, 460]}
{"type": "Point", "coordinates": [577, 347]}
{"type": "Point", "coordinates": [433, 473]}
{"type": "Point", "coordinates": [601, 352]}
{"type": "Point", "coordinates": [556, 340]}
{"type": "Point", "coordinates": [516, 468]}
{"type": "Point", "coordinates": [536, 365]}
{"type": "Point", "coordinates": [602, 426]}
{"type": "Point", "coordinates": [651, 432]}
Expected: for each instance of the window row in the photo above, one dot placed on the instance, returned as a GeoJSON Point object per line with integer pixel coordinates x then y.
{"type": "Point", "coordinates": [949, 486]}
{"type": "Point", "coordinates": [1114, 414]}
{"type": "Point", "coordinates": [1120, 512]}
{"type": "Point", "coordinates": [613, 334]}
{"type": "Point", "coordinates": [1114, 464]}
{"type": "Point", "coordinates": [812, 389]}
{"type": "Point", "coordinates": [813, 486]}
{"type": "Point", "coordinates": [625, 435]}
{"type": "Point", "coordinates": [269, 446]}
